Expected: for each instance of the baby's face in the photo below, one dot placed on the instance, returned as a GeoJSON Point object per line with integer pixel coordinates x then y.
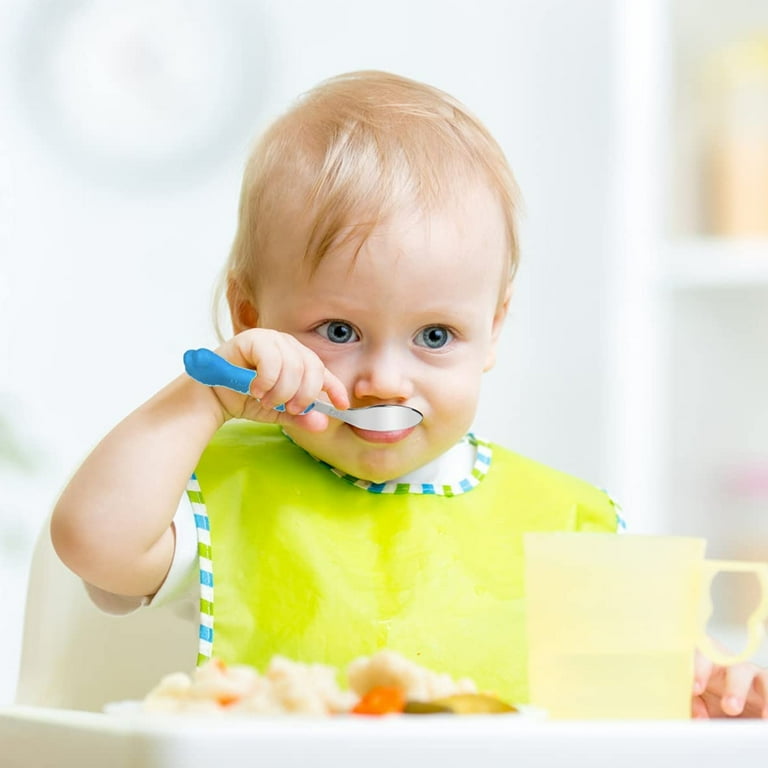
{"type": "Point", "coordinates": [413, 320]}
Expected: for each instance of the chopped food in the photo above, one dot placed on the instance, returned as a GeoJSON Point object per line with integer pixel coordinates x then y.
{"type": "Point", "coordinates": [381, 700]}
{"type": "Point", "coordinates": [389, 668]}
{"type": "Point", "coordinates": [473, 704]}
{"type": "Point", "coordinates": [382, 684]}
{"type": "Point", "coordinates": [286, 686]}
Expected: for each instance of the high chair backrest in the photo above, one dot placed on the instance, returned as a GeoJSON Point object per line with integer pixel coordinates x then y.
{"type": "Point", "coordinates": [76, 657]}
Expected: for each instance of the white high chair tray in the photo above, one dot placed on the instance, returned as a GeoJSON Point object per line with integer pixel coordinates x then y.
{"type": "Point", "coordinates": [46, 738]}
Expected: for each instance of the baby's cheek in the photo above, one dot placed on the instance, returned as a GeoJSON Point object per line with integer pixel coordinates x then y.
{"type": "Point", "coordinates": [457, 403]}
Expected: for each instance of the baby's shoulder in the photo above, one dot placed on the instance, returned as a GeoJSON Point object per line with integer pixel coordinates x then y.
{"type": "Point", "coordinates": [544, 481]}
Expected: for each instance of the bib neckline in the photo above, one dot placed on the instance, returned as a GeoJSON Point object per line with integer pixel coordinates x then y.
{"type": "Point", "coordinates": [482, 463]}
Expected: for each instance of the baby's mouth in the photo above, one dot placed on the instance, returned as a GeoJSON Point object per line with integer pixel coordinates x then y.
{"type": "Point", "coordinates": [376, 436]}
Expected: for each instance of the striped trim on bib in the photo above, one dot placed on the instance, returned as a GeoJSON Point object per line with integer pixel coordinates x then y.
{"type": "Point", "coordinates": [203, 528]}
{"type": "Point", "coordinates": [483, 453]}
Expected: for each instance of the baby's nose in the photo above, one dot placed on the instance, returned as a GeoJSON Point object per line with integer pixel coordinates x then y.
{"type": "Point", "coordinates": [383, 376]}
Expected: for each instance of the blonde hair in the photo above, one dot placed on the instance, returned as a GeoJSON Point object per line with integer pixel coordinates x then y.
{"type": "Point", "coordinates": [347, 154]}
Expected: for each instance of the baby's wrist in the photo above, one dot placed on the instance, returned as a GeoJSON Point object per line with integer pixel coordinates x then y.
{"type": "Point", "coordinates": [199, 399]}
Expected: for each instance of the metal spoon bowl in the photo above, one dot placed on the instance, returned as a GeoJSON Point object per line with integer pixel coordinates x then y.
{"type": "Point", "coordinates": [211, 369]}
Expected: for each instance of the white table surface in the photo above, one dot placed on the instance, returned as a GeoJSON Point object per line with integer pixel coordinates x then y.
{"type": "Point", "coordinates": [35, 737]}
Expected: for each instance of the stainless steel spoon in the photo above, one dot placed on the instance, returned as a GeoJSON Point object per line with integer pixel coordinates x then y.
{"type": "Point", "coordinates": [211, 369]}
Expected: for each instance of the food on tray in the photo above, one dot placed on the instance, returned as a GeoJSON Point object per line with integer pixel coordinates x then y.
{"type": "Point", "coordinates": [460, 704]}
{"type": "Point", "coordinates": [384, 683]}
{"type": "Point", "coordinates": [381, 700]}
{"type": "Point", "coordinates": [389, 668]}
{"type": "Point", "coordinates": [285, 686]}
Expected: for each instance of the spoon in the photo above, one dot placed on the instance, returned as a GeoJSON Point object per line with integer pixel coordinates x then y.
{"type": "Point", "coordinates": [211, 369]}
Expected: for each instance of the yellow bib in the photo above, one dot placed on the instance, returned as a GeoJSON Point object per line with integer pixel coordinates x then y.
{"type": "Point", "coordinates": [313, 566]}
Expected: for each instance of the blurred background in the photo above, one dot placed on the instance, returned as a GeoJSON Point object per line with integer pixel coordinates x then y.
{"type": "Point", "coordinates": [635, 352]}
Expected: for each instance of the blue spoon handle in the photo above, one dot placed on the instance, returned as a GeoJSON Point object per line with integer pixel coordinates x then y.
{"type": "Point", "coordinates": [214, 371]}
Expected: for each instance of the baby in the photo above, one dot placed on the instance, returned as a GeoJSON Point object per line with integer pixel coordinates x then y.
{"type": "Point", "coordinates": [372, 264]}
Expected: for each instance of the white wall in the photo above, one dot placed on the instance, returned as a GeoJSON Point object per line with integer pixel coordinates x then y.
{"type": "Point", "coordinates": [106, 264]}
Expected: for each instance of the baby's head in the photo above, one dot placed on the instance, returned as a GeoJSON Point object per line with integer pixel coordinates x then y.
{"type": "Point", "coordinates": [350, 153]}
{"type": "Point", "coordinates": [376, 193]}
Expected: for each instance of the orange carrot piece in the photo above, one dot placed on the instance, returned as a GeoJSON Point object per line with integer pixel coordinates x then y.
{"type": "Point", "coordinates": [227, 699]}
{"type": "Point", "coordinates": [381, 700]}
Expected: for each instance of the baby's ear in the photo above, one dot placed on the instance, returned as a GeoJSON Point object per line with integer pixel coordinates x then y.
{"type": "Point", "coordinates": [241, 310]}
{"type": "Point", "coordinates": [498, 324]}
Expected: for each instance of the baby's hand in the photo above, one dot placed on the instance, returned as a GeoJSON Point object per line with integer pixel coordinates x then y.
{"type": "Point", "coordinates": [740, 690]}
{"type": "Point", "coordinates": [289, 374]}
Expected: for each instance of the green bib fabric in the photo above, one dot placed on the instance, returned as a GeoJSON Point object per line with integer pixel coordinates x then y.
{"type": "Point", "coordinates": [309, 565]}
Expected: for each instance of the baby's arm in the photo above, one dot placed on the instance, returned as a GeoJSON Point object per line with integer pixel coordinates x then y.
{"type": "Point", "coordinates": [112, 523]}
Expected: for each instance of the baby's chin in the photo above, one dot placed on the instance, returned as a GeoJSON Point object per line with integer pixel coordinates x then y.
{"type": "Point", "coordinates": [377, 473]}
{"type": "Point", "coordinates": [375, 463]}
{"type": "Point", "coordinates": [383, 467]}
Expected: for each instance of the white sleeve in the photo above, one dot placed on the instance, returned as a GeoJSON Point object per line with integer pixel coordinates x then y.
{"type": "Point", "coordinates": [181, 581]}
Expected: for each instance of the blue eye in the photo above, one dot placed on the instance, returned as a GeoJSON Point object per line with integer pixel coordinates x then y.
{"type": "Point", "coordinates": [433, 337]}
{"type": "Point", "coordinates": [338, 332]}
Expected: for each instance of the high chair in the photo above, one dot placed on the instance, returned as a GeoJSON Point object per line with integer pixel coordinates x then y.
{"type": "Point", "coordinates": [74, 656]}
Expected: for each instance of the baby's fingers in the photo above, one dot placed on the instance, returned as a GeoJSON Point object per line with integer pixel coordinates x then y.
{"type": "Point", "coordinates": [738, 683]}
{"type": "Point", "coordinates": [321, 379]}
{"type": "Point", "coordinates": [702, 673]}
{"type": "Point", "coordinates": [277, 369]}
{"type": "Point", "coordinates": [336, 391]}
{"type": "Point", "coordinates": [699, 709]}
{"type": "Point", "coordinates": [317, 378]}
{"type": "Point", "coordinates": [760, 693]}
{"type": "Point", "coordinates": [289, 375]}
{"type": "Point", "coordinates": [746, 688]}
{"type": "Point", "coordinates": [314, 379]}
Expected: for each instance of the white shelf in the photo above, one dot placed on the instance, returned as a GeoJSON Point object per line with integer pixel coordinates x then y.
{"type": "Point", "coordinates": [689, 311]}
{"type": "Point", "coordinates": [710, 262]}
